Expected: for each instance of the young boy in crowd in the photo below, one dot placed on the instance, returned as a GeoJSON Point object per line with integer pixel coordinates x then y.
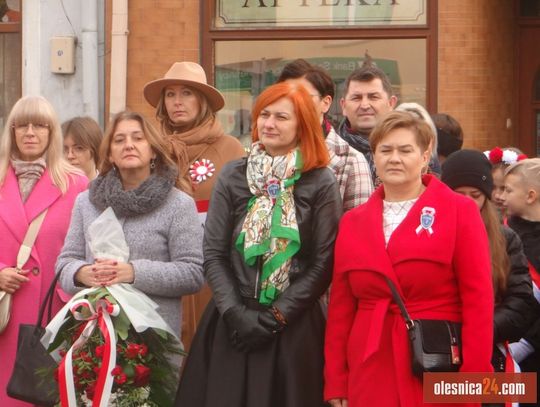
{"type": "Point", "coordinates": [521, 198]}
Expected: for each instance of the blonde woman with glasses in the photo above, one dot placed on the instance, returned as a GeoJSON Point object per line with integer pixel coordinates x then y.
{"type": "Point", "coordinates": [34, 177]}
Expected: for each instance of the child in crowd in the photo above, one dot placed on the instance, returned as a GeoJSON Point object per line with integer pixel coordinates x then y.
{"type": "Point", "coordinates": [521, 199]}
{"type": "Point", "coordinates": [501, 159]}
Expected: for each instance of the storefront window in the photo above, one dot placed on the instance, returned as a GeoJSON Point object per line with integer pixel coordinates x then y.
{"type": "Point", "coordinates": [243, 71]}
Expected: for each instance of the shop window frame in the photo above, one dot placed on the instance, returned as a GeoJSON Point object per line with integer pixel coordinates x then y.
{"type": "Point", "coordinates": [210, 35]}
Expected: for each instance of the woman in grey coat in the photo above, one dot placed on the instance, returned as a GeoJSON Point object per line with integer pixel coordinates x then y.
{"type": "Point", "coordinates": [160, 222]}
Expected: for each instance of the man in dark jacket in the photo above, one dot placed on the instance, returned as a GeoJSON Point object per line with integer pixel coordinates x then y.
{"type": "Point", "coordinates": [367, 96]}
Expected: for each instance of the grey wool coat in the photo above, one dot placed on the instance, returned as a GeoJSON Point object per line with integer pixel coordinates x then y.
{"type": "Point", "coordinates": [165, 251]}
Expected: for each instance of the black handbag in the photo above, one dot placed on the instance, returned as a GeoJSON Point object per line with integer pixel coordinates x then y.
{"type": "Point", "coordinates": [435, 344]}
{"type": "Point", "coordinates": [25, 383]}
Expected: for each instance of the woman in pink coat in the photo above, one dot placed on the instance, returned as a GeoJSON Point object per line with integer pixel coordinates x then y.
{"type": "Point", "coordinates": [34, 176]}
{"type": "Point", "coordinates": [442, 271]}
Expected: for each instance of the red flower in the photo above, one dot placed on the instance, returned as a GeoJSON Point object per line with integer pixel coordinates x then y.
{"type": "Point", "coordinates": [86, 375]}
{"type": "Point", "coordinates": [143, 350]}
{"type": "Point", "coordinates": [120, 379]}
{"type": "Point", "coordinates": [522, 157]}
{"type": "Point", "coordinates": [90, 390]}
{"type": "Point", "coordinates": [77, 383]}
{"type": "Point", "coordinates": [84, 356]}
{"type": "Point", "coordinates": [495, 155]}
{"type": "Point", "coordinates": [142, 375]}
{"type": "Point", "coordinates": [117, 370]}
{"type": "Point", "coordinates": [119, 375]}
{"type": "Point", "coordinates": [132, 351]}
{"type": "Point", "coordinates": [99, 351]}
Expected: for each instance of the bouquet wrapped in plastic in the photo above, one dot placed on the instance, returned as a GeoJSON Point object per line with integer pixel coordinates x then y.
{"type": "Point", "coordinates": [112, 346]}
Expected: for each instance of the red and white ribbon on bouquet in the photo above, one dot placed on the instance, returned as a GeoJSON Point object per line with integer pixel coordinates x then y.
{"type": "Point", "coordinates": [101, 316]}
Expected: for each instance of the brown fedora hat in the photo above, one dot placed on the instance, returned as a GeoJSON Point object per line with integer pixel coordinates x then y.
{"type": "Point", "coordinates": [184, 73]}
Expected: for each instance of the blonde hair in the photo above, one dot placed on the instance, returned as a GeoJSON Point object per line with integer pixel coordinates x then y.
{"type": "Point", "coordinates": [158, 144]}
{"type": "Point", "coordinates": [528, 171]}
{"type": "Point", "coordinates": [36, 109]}
{"type": "Point", "coordinates": [421, 113]}
{"type": "Point", "coordinates": [168, 127]}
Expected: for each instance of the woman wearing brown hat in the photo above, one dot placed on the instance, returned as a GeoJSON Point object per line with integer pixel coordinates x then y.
{"type": "Point", "coordinates": [186, 108]}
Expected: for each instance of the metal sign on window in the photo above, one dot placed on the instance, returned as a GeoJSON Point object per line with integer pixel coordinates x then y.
{"type": "Point", "coordinates": [298, 13]}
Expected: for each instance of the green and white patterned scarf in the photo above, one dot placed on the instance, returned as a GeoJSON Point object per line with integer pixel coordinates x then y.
{"type": "Point", "coordinates": [270, 229]}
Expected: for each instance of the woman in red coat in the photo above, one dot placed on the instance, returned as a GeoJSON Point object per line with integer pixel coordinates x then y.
{"type": "Point", "coordinates": [442, 271]}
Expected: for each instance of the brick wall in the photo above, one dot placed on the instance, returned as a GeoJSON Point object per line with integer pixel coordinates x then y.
{"type": "Point", "coordinates": [476, 60]}
{"type": "Point", "coordinates": [161, 32]}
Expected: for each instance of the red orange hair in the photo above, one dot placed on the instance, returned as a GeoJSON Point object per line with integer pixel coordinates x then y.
{"type": "Point", "coordinates": [309, 133]}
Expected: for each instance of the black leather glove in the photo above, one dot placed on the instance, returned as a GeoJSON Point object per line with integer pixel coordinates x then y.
{"type": "Point", "coordinates": [267, 319]}
{"type": "Point", "coordinates": [245, 331]}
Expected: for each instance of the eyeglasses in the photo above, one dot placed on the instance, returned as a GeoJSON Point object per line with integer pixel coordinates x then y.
{"type": "Point", "coordinates": [76, 149]}
{"type": "Point", "coordinates": [23, 127]}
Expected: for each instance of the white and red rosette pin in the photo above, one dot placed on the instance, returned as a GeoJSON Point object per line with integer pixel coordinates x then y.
{"type": "Point", "coordinates": [201, 170]}
{"type": "Point", "coordinates": [427, 219]}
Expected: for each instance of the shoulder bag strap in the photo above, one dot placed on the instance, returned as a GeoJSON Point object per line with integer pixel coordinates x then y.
{"type": "Point", "coordinates": [47, 302]}
{"type": "Point", "coordinates": [24, 254]}
{"type": "Point", "coordinates": [29, 240]}
{"type": "Point", "coordinates": [397, 298]}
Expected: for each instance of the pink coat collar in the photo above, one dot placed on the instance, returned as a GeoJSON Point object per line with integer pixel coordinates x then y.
{"type": "Point", "coordinates": [17, 215]}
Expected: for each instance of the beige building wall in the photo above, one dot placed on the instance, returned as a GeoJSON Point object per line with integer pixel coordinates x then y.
{"type": "Point", "coordinates": [476, 69]}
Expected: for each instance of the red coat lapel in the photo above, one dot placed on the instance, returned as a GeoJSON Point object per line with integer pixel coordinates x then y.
{"type": "Point", "coordinates": [408, 244]}
{"type": "Point", "coordinates": [364, 226]}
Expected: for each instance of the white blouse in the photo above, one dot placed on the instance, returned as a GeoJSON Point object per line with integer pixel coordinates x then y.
{"type": "Point", "coordinates": [393, 215]}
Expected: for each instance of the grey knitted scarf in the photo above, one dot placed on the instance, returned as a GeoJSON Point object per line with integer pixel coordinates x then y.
{"type": "Point", "coordinates": [107, 191]}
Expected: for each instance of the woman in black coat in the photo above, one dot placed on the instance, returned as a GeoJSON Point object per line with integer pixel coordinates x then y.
{"type": "Point", "coordinates": [268, 254]}
{"type": "Point", "coordinates": [468, 172]}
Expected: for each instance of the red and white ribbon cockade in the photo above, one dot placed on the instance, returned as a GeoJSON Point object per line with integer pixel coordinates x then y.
{"type": "Point", "coordinates": [427, 219]}
{"type": "Point", "coordinates": [200, 170]}
{"type": "Point", "coordinates": [101, 317]}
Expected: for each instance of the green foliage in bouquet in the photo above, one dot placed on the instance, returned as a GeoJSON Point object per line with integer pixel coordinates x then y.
{"type": "Point", "coordinates": [144, 374]}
